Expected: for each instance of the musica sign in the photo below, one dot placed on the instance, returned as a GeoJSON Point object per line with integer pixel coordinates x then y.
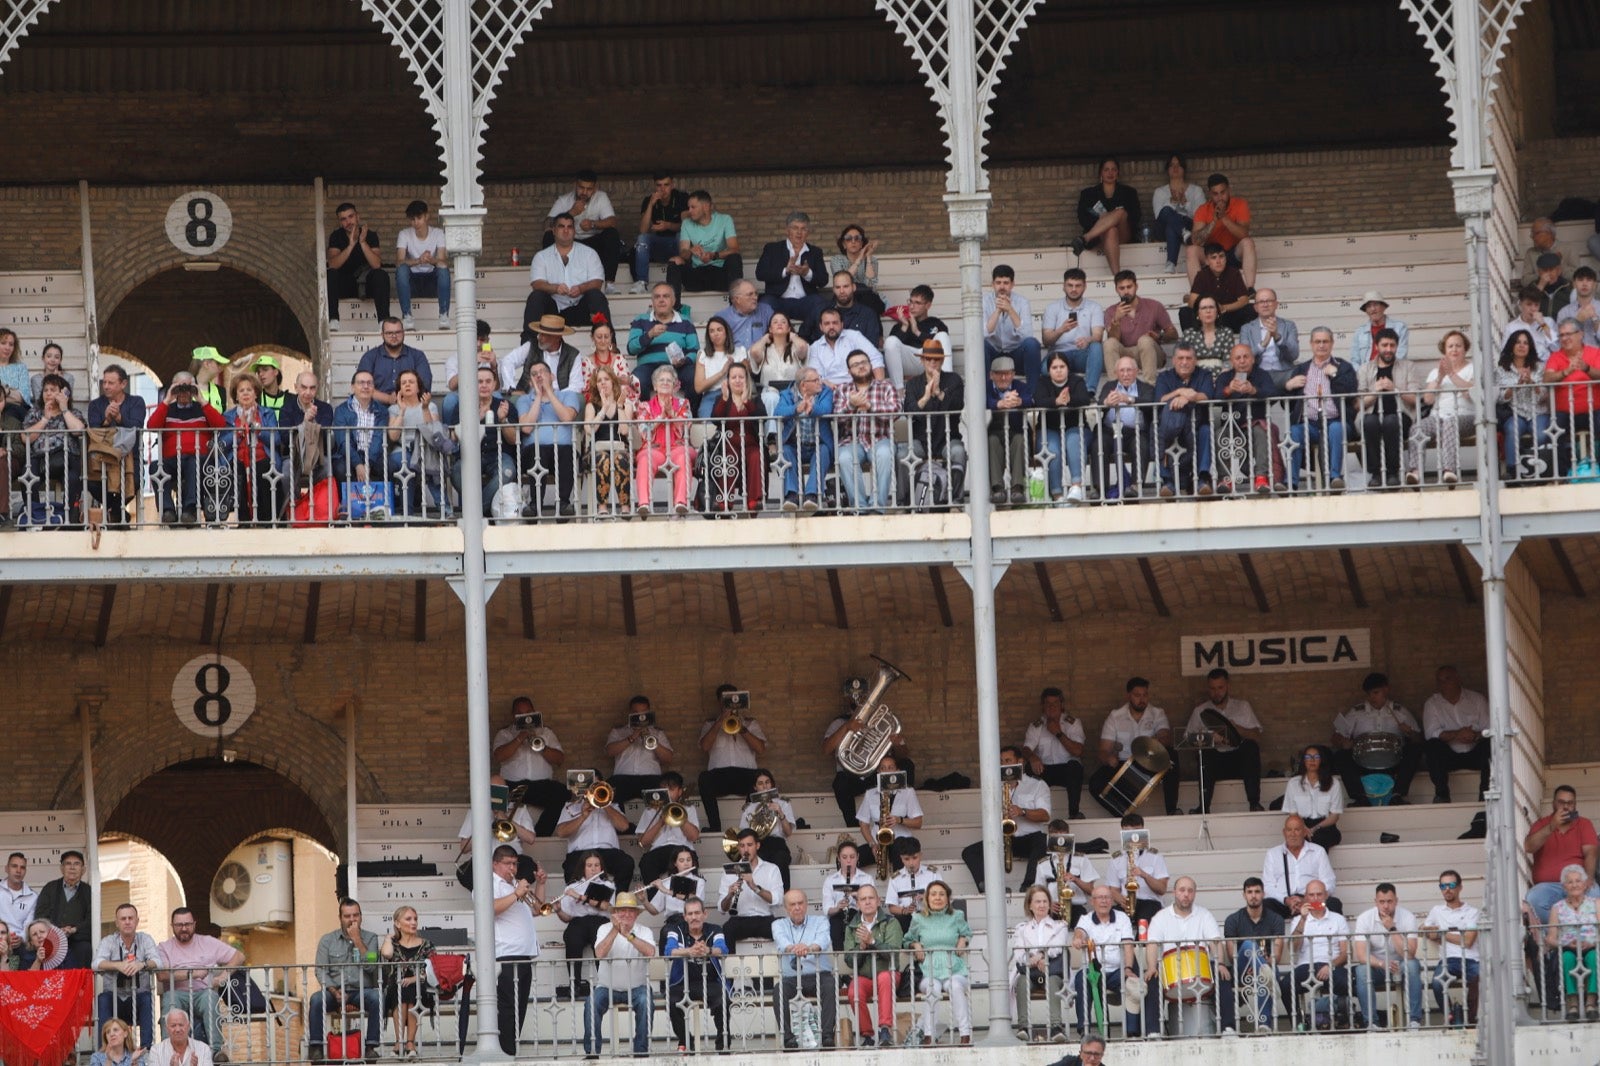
{"type": "Point", "coordinates": [1266, 653]}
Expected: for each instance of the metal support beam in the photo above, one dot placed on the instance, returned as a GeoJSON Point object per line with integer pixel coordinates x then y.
{"type": "Point", "coordinates": [419, 612]}
{"type": "Point", "coordinates": [208, 621]}
{"type": "Point", "coordinates": [1254, 580]}
{"type": "Point", "coordinates": [352, 801]}
{"type": "Point", "coordinates": [731, 590]}
{"type": "Point", "coordinates": [91, 317]}
{"type": "Point", "coordinates": [1042, 572]}
{"type": "Point", "coordinates": [102, 626]}
{"type": "Point", "coordinates": [630, 620]}
{"type": "Point", "coordinates": [313, 607]}
{"type": "Point", "coordinates": [1458, 563]}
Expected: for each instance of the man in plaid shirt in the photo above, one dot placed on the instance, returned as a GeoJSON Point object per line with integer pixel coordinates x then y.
{"type": "Point", "coordinates": [865, 410]}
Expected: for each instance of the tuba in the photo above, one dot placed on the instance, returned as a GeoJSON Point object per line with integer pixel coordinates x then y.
{"type": "Point", "coordinates": [861, 752]}
{"type": "Point", "coordinates": [764, 819]}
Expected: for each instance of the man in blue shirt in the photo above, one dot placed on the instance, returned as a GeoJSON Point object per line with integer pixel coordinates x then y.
{"type": "Point", "coordinates": [803, 940]}
{"type": "Point", "coordinates": [545, 417]}
{"type": "Point", "coordinates": [696, 948]}
{"type": "Point", "coordinates": [387, 360]}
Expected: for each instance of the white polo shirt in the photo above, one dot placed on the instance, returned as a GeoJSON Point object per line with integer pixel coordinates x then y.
{"type": "Point", "coordinates": [1457, 919]}
{"type": "Point", "coordinates": [526, 764]}
{"type": "Point", "coordinates": [636, 760]}
{"type": "Point", "coordinates": [730, 749]}
{"type": "Point", "coordinates": [623, 966]}
{"type": "Point", "coordinates": [1044, 744]}
{"type": "Point", "coordinates": [669, 835]}
{"type": "Point", "coordinates": [596, 831]}
{"type": "Point", "coordinates": [1122, 728]}
{"type": "Point", "coordinates": [902, 805]}
{"type": "Point", "coordinates": [1320, 938]}
{"type": "Point", "coordinates": [514, 932]}
{"type": "Point", "coordinates": [1380, 948]}
{"type": "Point", "coordinates": [1440, 715]}
{"type": "Point", "coordinates": [1107, 938]}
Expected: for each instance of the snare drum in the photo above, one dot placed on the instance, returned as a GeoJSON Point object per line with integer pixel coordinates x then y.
{"type": "Point", "coordinates": [1378, 751]}
{"type": "Point", "coordinates": [1186, 973]}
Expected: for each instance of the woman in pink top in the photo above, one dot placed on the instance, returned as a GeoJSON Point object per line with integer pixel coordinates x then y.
{"type": "Point", "coordinates": [665, 425]}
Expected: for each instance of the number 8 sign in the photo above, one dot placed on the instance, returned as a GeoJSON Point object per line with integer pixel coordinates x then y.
{"type": "Point", "coordinates": [213, 695]}
{"type": "Point", "coordinates": [199, 223]}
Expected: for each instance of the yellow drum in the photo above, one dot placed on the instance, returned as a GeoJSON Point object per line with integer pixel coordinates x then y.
{"type": "Point", "coordinates": [1186, 973]}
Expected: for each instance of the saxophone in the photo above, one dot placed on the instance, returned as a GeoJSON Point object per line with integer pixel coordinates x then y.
{"type": "Point", "coordinates": [1008, 825]}
{"type": "Point", "coordinates": [1064, 886]}
{"type": "Point", "coordinates": [885, 831]}
{"type": "Point", "coordinates": [1131, 889]}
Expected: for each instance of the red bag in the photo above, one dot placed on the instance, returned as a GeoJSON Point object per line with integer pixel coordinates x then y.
{"type": "Point", "coordinates": [450, 971]}
{"type": "Point", "coordinates": [345, 1047]}
{"type": "Point", "coordinates": [317, 507]}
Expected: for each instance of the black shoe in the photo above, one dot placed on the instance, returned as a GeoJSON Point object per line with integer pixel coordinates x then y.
{"type": "Point", "coordinates": [1256, 807]}
{"type": "Point", "coordinates": [1174, 810]}
{"type": "Point", "coordinates": [1196, 810]}
{"type": "Point", "coordinates": [568, 511]}
{"type": "Point", "coordinates": [1441, 797]}
{"type": "Point", "coordinates": [371, 1053]}
{"type": "Point", "coordinates": [190, 518]}
{"type": "Point", "coordinates": [1078, 814]}
{"type": "Point", "coordinates": [1077, 246]}
{"type": "Point", "coordinates": [169, 518]}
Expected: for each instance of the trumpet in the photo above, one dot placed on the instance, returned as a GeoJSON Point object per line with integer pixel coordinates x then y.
{"type": "Point", "coordinates": [536, 742]}
{"type": "Point", "coordinates": [539, 907]}
{"type": "Point", "coordinates": [650, 742]}
{"type": "Point", "coordinates": [599, 795]}
{"type": "Point", "coordinates": [733, 724]}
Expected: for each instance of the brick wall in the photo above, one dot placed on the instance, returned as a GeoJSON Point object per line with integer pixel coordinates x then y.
{"type": "Point", "coordinates": [412, 736]}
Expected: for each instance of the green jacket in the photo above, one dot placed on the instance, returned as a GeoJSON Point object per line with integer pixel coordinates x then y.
{"type": "Point", "coordinates": [883, 955]}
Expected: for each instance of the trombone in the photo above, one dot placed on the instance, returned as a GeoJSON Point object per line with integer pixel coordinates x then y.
{"type": "Point", "coordinates": [599, 795]}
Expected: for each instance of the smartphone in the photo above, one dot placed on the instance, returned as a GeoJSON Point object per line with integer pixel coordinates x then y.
{"type": "Point", "coordinates": [1127, 298]}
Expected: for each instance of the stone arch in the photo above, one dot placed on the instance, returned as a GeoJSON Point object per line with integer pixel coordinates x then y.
{"type": "Point", "coordinates": [196, 811]}
{"type": "Point", "coordinates": [170, 312]}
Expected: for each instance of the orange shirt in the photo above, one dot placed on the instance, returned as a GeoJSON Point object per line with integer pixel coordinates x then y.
{"type": "Point", "coordinates": [1238, 210]}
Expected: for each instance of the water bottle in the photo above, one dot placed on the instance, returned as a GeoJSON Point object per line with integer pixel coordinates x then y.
{"type": "Point", "coordinates": [808, 1028]}
{"type": "Point", "coordinates": [1037, 490]}
{"type": "Point", "coordinates": [1144, 233]}
{"type": "Point", "coordinates": [515, 258]}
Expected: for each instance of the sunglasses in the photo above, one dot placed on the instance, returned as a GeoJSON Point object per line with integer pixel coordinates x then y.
{"type": "Point", "coordinates": [1446, 886]}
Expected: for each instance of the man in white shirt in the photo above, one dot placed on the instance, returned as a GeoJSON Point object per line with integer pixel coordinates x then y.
{"type": "Point", "coordinates": [1029, 812]}
{"type": "Point", "coordinates": [731, 757]}
{"type": "Point", "coordinates": [1541, 327]}
{"type": "Point", "coordinates": [1385, 951]}
{"type": "Point", "coordinates": [522, 825]}
{"type": "Point", "coordinates": [622, 950]}
{"type": "Point", "coordinates": [1080, 872]}
{"type": "Point", "coordinates": [1453, 925]}
{"type": "Point", "coordinates": [1106, 934]}
{"type": "Point", "coordinates": [530, 770]}
{"type": "Point", "coordinates": [749, 898]}
{"type": "Point", "coordinates": [1454, 722]}
{"type": "Point", "coordinates": [421, 265]}
{"type": "Point", "coordinates": [1376, 714]}
{"type": "Point", "coordinates": [17, 901]}
{"type": "Point", "coordinates": [566, 279]}
{"type": "Point", "coordinates": [1076, 327]}
{"type": "Point", "coordinates": [1321, 937]}
{"type": "Point", "coordinates": [179, 1048]}
{"type": "Point", "coordinates": [1294, 864]}
{"type": "Point", "coordinates": [1149, 870]}
{"type": "Point", "coordinates": [661, 840]}
{"type": "Point", "coordinates": [595, 222]}
{"type": "Point", "coordinates": [641, 750]}
{"type": "Point", "coordinates": [1237, 762]}
{"type": "Point", "coordinates": [830, 353]}
{"type": "Point", "coordinates": [516, 945]}
{"type": "Point", "coordinates": [1053, 748]}
{"type": "Point", "coordinates": [1008, 325]}
{"type": "Point", "coordinates": [587, 828]}
{"type": "Point", "coordinates": [1182, 926]}
{"type": "Point", "coordinates": [905, 815]}
{"type": "Point", "coordinates": [1135, 718]}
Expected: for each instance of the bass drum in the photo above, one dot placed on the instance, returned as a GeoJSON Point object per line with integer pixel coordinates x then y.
{"type": "Point", "coordinates": [1378, 751]}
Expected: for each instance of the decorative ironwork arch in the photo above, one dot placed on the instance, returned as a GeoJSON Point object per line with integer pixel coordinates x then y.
{"type": "Point", "coordinates": [925, 28]}
{"type": "Point", "coordinates": [16, 19]}
{"type": "Point", "coordinates": [417, 29]}
{"type": "Point", "coordinates": [1435, 21]}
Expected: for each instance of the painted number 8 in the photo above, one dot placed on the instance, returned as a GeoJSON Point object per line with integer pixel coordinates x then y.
{"type": "Point", "coordinates": [201, 231]}
{"type": "Point", "coordinates": [212, 708]}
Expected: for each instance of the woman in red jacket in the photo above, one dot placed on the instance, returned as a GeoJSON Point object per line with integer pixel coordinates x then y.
{"type": "Point", "coordinates": [187, 443]}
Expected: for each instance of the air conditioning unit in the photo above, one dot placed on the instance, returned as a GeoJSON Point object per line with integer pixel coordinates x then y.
{"type": "Point", "coordinates": [254, 887]}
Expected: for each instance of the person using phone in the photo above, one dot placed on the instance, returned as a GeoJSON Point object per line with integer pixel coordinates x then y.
{"type": "Point", "coordinates": [1075, 326]}
{"type": "Point", "coordinates": [1138, 327]}
{"type": "Point", "coordinates": [1559, 839]}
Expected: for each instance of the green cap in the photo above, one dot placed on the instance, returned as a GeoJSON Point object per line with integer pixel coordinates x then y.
{"type": "Point", "coordinates": [267, 360]}
{"type": "Point", "coordinates": [209, 353]}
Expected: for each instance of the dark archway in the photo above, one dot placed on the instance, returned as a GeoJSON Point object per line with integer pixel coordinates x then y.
{"type": "Point", "coordinates": [196, 812]}
{"type": "Point", "coordinates": [166, 317]}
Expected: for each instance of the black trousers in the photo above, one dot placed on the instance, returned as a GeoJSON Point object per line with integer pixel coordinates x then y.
{"type": "Point", "coordinates": [1027, 849]}
{"type": "Point", "coordinates": [607, 244]}
{"type": "Point", "coordinates": [556, 464]}
{"type": "Point", "coordinates": [629, 786]}
{"type": "Point", "coordinates": [750, 928]}
{"type": "Point", "coordinates": [1241, 764]}
{"type": "Point", "coordinates": [1442, 758]}
{"type": "Point", "coordinates": [343, 285]}
{"type": "Point", "coordinates": [702, 985]}
{"type": "Point", "coordinates": [824, 986]}
{"type": "Point", "coordinates": [579, 316]}
{"type": "Point", "coordinates": [1344, 764]}
{"type": "Point", "coordinates": [549, 796]}
{"type": "Point", "coordinates": [776, 851]}
{"type": "Point", "coordinates": [617, 863]}
{"type": "Point", "coordinates": [657, 861]}
{"type": "Point", "coordinates": [511, 999]}
{"type": "Point", "coordinates": [725, 781]}
{"type": "Point", "coordinates": [1103, 775]}
{"type": "Point", "coordinates": [710, 278]}
{"type": "Point", "coordinates": [1381, 446]}
{"type": "Point", "coordinates": [578, 937]}
{"type": "Point", "coordinates": [1067, 775]}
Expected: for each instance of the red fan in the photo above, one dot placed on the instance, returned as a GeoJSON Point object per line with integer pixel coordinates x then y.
{"type": "Point", "coordinates": [54, 948]}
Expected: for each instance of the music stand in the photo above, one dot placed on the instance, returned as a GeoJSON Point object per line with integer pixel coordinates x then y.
{"type": "Point", "coordinates": [1200, 743]}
